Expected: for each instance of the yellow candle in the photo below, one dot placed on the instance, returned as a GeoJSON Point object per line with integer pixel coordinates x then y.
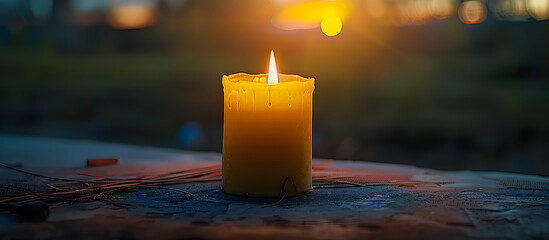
{"type": "Point", "coordinates": [267, 134]}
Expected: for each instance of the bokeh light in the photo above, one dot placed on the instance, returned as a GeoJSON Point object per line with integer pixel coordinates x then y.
{"type": "Point", "coordinates": [471, 12]}
{"type": "Point", "coordinates": [538, 9]}
{"type": "Point", "coordinates": [512, 10]}
{"type": "Point", "coordinates": [442, 9]}
{"type": "Point", "coordinates": [132, 15]}
{"type": "Point", "coordinates": [331, 25]}
{"type": "Point", "coordinates": [412, 12]}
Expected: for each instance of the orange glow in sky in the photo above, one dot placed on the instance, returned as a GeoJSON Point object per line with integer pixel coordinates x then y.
{"type": "Point", "coordinates": [309, 15]}
{"type": "Point", "coordinates": [376, 8]}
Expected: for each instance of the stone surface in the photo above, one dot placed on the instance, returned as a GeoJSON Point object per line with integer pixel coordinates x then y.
{"type": "Point", "coordinates": [404, 202]}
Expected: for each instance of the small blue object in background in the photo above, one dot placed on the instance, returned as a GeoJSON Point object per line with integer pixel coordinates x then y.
{"type": "Point", "coordinates": [190, 136]}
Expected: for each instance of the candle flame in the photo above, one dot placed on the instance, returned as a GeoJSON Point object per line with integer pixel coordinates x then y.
{"type": "Point", "coordinates": [272, 77]}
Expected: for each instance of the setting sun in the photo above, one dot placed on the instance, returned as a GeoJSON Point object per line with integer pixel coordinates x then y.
{"type": "Point", "coordinates": [331, 25]}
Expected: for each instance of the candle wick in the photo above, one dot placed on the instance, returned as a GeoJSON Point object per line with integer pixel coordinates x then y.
{"type": "Point", "coordinates": [270, 96]}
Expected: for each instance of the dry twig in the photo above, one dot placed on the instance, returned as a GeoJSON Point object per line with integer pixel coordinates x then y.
{"type": "Point", "coordinates": [100, 188]}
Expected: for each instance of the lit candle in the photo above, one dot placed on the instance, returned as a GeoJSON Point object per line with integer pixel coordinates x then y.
{"type": "Point", "coordinates": [267, 134]}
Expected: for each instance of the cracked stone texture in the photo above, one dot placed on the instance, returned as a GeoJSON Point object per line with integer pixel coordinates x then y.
{"type": "Point", "coordinates": [405, 201]}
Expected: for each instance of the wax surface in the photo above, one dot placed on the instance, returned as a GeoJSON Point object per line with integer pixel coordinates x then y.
{"type": "Point", "coordinates": [267, 135]}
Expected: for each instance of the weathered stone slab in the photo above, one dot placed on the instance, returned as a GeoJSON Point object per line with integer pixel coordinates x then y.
{"type": "Point", "coordinates": [405, 201]}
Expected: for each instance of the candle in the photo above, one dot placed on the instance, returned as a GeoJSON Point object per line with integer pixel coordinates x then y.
{"type": "Point", "coordinates": [267, 134]}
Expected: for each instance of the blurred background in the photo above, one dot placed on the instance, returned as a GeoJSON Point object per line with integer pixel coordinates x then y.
{"type": "Point", "coordinates": [445, 84]}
